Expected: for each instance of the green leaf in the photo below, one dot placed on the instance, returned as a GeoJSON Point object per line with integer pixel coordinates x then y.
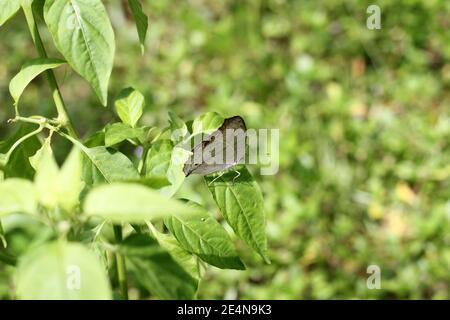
{"type": "Point", "coordinates": [141, 21]}
{"type": "Point", "coordinates": [118, 132]}
{"type": "Point", "coordinates": [82, 32]}
{"type": "Point", "coordinates": [241, 203]}
{"type": "Point", "coordinates": [60, 270]}
{"type": "Point", "coordinates": [175, 174]}
{"type": "Point", "coordinates": [177, 127]}
{"type": "Point", "coordinates": [17, 196]}
{"type": "Point", "coordinates": [202, 235]}
{"type": "Point", "coordinates": [109, 165]}
{"type": "Point", "coordinates": [158, 160]}
{"type": "Point", "coordinates": [128, 202]}
{"type": "Point", "coordinates": [207, 123]}
{"type": "Point", "coordinates": [47, 175]}
{"type": "Point", "coordinates": [29, 71]}
{"type": "Point", "coordinates": [129, 106]}
{"type": "Point", "coordinates": [165, 163]}
{"type": "Point", "coordinates": [156, 270]}
{"type": "Point", "coordinates": [18, 165]}
{"type": "Point", "coordinates": [189, 262]}
{"type": "Point", "coordinates": [70, 183]}
{"type": "Point", "coordinates": [8, 9]}
{"type": "Point", "coordinates": [57, 187]}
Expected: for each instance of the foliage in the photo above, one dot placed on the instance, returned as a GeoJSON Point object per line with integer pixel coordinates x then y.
{"type": "Point", "coordinates": [104, 219]}
{"type": "Point", "coordinates": [363, 118]}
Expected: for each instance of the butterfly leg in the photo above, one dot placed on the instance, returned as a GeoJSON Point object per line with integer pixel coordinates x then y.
{"type": "Point", "coordinates": [212, 181]}
{"type": "Point", "coordinates": [238, 174]}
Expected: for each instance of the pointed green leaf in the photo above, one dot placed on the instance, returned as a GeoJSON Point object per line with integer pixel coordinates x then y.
{"type": "Point", "coordinates": [61, 271]}
{"type": "Point", "coordinates": [141, 21]}
{"type": "Point", "coordinates": [241, 203]}
{"type": "Point", "coordinates": [156, 270]}
{"type": "Point", "coordinates": [128, 202]}
{"type": "Point", "coordinates": [189, 262]}
{"type": "Point", "coordinates": [175, 173]}
{"type": "Point", "coordinates": [17, 196]}
{"type": "Point", "coordinates": [29, 71]}
{"type": "Point", "coordinates": [177, 127]}
{"type": "Point", "coordinates": [8, 9]}
{"type": "Point", "coordinates": [158, 160]}
{"type": "Point", "coordinates": [202, 235]}
{"type": "Point", "coordinates": [109, 165]}
{"type": "Point", "coordinates": [18, 164]}
{"type": "Point", "coordinates": [118, 132]}
{"type": "Point", "coordinates": [165, 163]}
{"type": "Point", "coordinates": [207, 123]}
{"type": "Point", "coordinates": [82, 32]}
{"type": "Point", "coordinates": [129, 106]}
{"type": "Point", "coordinates": [47, 175]}
{"type": "Point", "coordinates": [69, 180]}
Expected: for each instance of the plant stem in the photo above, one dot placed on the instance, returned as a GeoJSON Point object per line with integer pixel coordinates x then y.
{"type": "Point", "coordinates": [22, 139]}
{"type": "Point", "coordinates": [63, 116]}
{"type": "Point", "coordinates": [2, 236]}
{"type": "Point", "coordinates": [121, 267]}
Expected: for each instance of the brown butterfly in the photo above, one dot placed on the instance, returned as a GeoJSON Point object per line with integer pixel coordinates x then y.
{"type": "Point", "coordinates": [222, 149]}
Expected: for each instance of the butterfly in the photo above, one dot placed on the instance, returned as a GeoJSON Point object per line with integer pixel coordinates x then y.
{"type": "Point", "coordinates": [221, 150]}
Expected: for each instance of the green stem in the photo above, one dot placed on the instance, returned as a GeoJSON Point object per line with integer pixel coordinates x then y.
{"type": "Point", "coordinates": [2, 236]}
{"type": "Point", "coordinates": [121, 266]}
{"type": "Point", "coordinates": [143, 164]}
{"type": "Point", "coordinates": [63, 116]}
{"type": "Point", "coordinates": [22, 139]}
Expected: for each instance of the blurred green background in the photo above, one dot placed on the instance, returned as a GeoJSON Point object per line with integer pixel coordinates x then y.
{"type": "Point", "coordinates": [364, 123]}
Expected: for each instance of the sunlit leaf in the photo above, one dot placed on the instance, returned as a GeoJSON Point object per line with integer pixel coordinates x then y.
{"type": "Point", "coordinates": [60, 271]}
{"type": "Point", "coordinates": [241, 203]}
{"type": "Point", "coordinates": [201, 234]}
{"type": "Point", "coordinates": [129, 202]}
{"type": "Point", "coordinates": [118, 132]}
{"type": "Point", "coordinates": [29, 71]}
{"type": "Point", "coordinates": [17, 196]}
{"type": "Point", "coordinates": [129, 106]}
{"type": "Point", "coordinates": [207, 123]}
{"type": "Point", "coordinates": [8, 9]}
{"type": "Point", "coordinates": [82, 32]}
{"type": "Point", "coordinates": [186, 260]}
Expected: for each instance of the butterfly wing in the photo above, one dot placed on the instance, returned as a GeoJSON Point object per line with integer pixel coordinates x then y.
{"type": "Point", "coordinates": [216, 147]}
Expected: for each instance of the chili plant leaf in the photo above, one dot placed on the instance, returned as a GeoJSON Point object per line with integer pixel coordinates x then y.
{"type": "Point", "coordinates": [156, 270]}
{"type": "Point", "coordinates": [185, 259]}
{"type": "Point", "coordinates": [241, 203]}
{"type": "Point", "coordinates": [141, 21]}
{"type": "Point", "coordinates": [118, 132]}
{"type": "Point", "coordinates": [129, 202]}
{"type": "Point", "coordinates": [82, 32]}
{"type": "Point", "coordinates": [129, 106]}
{"type": "Point", "coordinates": [17, 196]}
{"type": "Point", "coordinates": [111, 165]}
{"type": "Point", "coordinates": [60, 270]}
{"type": "Point", "coordinates": [201, 234]}
{"type": "Point", "coordinates": [207, 123]}
{"type": "Point", "coordinates": [8, 8]}
{"type": "Point", "coordinates": [29, 71]}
